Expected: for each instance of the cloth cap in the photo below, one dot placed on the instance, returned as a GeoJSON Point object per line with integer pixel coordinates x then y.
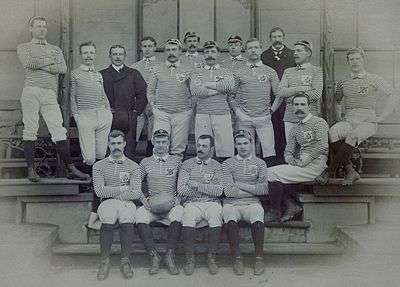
{"type": "Point", "coordinates": [210, 44]}
{"type": "Point", "coordinates": [243, 133]}
{"type": "Point", "coordinates": [235, 39]}
{"type": "Point", "coordinates": [306, 44]}
{"type": "Point", "coordinates": [174, 42]}
{"type": "Point", "coordinates": [160, 133]}
{"type": "Point", "coordinates": [190, 34]}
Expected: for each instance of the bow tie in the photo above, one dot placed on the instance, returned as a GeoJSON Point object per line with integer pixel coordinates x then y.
{"type": "Point", "coordinates": [300, 67]}
{"type": "Point", "coordinates": [201, 162]}
{"type": "Point", "coordinates": [252, 66]}
{"type": "Point", "coordinates": [117, 161]}
{"type": "Point", "coordinates": [160, 159]}
{"type": "Point", "coordinates": [172, 66]}
{"type": "Point", "coordinates": [41, 42]}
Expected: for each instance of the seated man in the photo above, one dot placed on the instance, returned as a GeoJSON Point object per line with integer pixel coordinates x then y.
{"type": "Point", "coordinates": [160, 174]}
{"type": "Point", "coordinates": [117, 181]}
{"type": "Point", "coordinates": [360, 92]}
{"type": "Point", "coordinates": [199, 186]}
{"type": "Point", "coordinates": [244, 178]}
{"type": "Point", "coordinates": [306, 154]}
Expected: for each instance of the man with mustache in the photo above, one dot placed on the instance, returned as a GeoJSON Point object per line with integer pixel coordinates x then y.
{"type": "Point", "coordinates": [210, 85]}
{"type": "Point", "coordinates": [245, 180]}
{"type": "Point", "coordinates": [172, 102]}
{"type": "Point", "coordinates": [252, 104]}
{"type": "Point", "coordinates": [117, 181]}
{"type": "Point", "coordinates": [160, 175]}
{"type": "Point", "coordinates": [359, 92]}
{"type": "Point", "coordinates": [279, 57]}
{"type": "Point", "coordinates": [200, 186]}
{"type": "Point", "coordinates": [192, 57]}
{"type": "Point", "coordinates": [43, 63]}
{"type": "Point", "coordinates": [306, 154]}
{"type": "Point", "coordinates": [145, 66]}
{"type": "Point", "coordinates": [126, 91]}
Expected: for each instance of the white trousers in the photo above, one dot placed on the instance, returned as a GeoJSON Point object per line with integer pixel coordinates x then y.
{"type": "Point", "coordinates": [35, 100]}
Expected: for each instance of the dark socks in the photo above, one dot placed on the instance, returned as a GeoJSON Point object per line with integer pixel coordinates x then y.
{"type": "Point", "coordinates": [345, 151]}
{"type": "Point", "coordinates": [270, 161]}
{"type": "Point", "coordinates": [174, 231]}
{"type": "Point", "coordinates": [126, 238]}
{"type": "Point", "coordinates": [62, 148]}
{"type": "Point", "coordinates": [213, 239]}
{"type": "Point", "coordinates": [233, 237]}
{"type": "Point", "coordinates": [188, 239]}
{"type": "Point", "coordinates": [276, 196]}
{"type": "Point", "coordinates": [29, 150]}
{"type": "Point", "coordinates": [146, 235]}
{"type": "Point", "coordinates": [106, 240]}
{"type": "Point", "coordinates": [257, 233]}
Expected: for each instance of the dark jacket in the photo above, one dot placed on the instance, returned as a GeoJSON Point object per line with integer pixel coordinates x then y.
{"type": "Point", "coordinates": [126, 92]}
{"type": "Point", "coordinates": [286, 60]}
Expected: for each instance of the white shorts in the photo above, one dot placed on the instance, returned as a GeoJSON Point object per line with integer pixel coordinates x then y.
{"type": "Point", "coordinates": [145, 216]}
{"type": "Point", "coordinates": [250, 213]}
{"type": "Point", "coordinates": [195, 212]}
{"type": "Point", "coordinates": [112, 210]}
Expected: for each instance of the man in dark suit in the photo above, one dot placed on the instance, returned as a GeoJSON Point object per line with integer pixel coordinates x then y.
{"type": "Point", "coordinates": [279, 57]}
{"type": "Point", "coordinates": [126, 92]}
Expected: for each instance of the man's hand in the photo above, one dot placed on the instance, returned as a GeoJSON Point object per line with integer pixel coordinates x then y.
{"type": "Point", "coordinates": [145, 202]}
{"type": "Point", "coordinates": [193, 184]}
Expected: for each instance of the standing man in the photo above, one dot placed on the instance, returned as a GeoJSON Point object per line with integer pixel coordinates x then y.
{"type": "Point", "coordinates": [172, 102]}
{"type": "Point", "coordinates": [117, 181]}
{"type": "Point", "coordinates": [126, 91]}
{"type": "Point", "coordinates": [245, 179]}
{"type": "Point", "coordinates": [192, 57]}
{"type": "Point", "coordinates": [235, 46]}
{"type": "Point", "coordinates": [90, 106]}
{"type": "Point", "coordinates": [200, 186]}
{"type": "Point", "coordinates": [279, 57]}
{"type": "Point", "coordinates": [160, 176]}
{"type": "Point", "coordinates": [146, 66]}
{"type": "Point", "coordinates": [43, 63]}
{"type": "Point", "coordinates": [360, 92]}
{"type": "Point", "coordinates": [306, 155]}
{"type": "Point", "coordinates": [306, 78]}
{"type": "Point", "coordinates": [254, 82]}
{"type": "Point", "coordinates": [210, 85]}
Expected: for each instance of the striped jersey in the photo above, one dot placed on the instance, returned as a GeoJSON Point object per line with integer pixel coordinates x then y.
{"type": "Point", "coordinates": [233, 63]}
{"type": "Point", "coordinates": [172, 84]}
{"type": "Point", "coordinates": [252, 170]}
{"type": "Point", "coordinates": [209, 176]}
{"type": "Point", "coordinates": [253, 84]}
{"type": "Point", "coordinates": [87, 91]}
{"type": "Point", "coordinates": [146, 67]}
{"type": "Point", "coordinates": [109, 175]}
{"type": "Point", "coordinates": [309, 138]}
{"type": "Point", "coordinates": [160, 174]}
{"type": "Point", "coordinates": [304, 75]}
{"type": "Point", "coordinates": [362, 91]}
{"type": "Point", "coordinates": [42, 62]}
{"type": "Point", "coordinates": [212, 104]}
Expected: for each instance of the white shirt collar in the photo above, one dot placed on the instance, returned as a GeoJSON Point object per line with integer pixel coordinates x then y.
{"type": "Point", "coordinates": [163, 158]}
{"type": "Point", "coordinates": [257, 64]}
{"type": "Point", "coordinates": [242, 159]}
{"type": "Point", "coordinates": [307, 118]}
{"type": "Point", "coordinates": [117, 68]}
{"type": "Point", "coordinates": [37, 41]}
{"type": "Point", "coordinates": [358, 75]}
{"type": "Point", "coordinates": [114, 160]}
{"type": "Point", "coordinates": [151, 59]}
{"type": "Point", "coordinates": [207, 161]}
{"type": "Point", "coordinates": [277, 50]}
{"type": "Point", "coordinates": [238, 57]}
{"type": "Point", "coordinates": [87, 68]}
{"type": "Point", "coordinates": [215, 67]}
{"type": "Point", "coordinates": [169, 64]}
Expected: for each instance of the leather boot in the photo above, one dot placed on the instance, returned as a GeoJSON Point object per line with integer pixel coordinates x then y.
{"type": "Point", "coordinates": [351, 175]}
{"type": "Point", "coordinates": [238, 266]}
{"type": "Point", "coordinates": [259, 266]}
{"type": "Point", "coordinates": [170, 261]}
{"type": "Point", "coordinates": [212, 263]}
{"type": "Point", "coordinates": [62, 149]}
{"type": "Point", "coordinates": [188, 268]}
{"type": "Point", "coordinates": [104, 269]}
{"type": "Point", "coordinates": [29, 150]}
{"type": "Point", "coordinates": [126, 268]}
{"type": "Point", "coordinates": [155, 262]}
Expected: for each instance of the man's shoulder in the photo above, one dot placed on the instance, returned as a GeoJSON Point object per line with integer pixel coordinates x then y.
{"type": "Point", "coordinates": [316, 68]}
{"type": "Point", "coordinates": [131, 163]}
{"type": "Point", "coordinates": [100, 163]}
{"type": "Point", "coordinates": [215, 163]}
{"type": "Point", "coordinates": [189, 162]}
{"type": "Point", "coordinates": [76, 71]}
{"type": "Point", "coordinates": [317, 119]}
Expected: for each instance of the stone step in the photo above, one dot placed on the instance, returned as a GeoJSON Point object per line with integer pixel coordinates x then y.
{"type": "Point", "coordinates": [46, 186]}
{"type": "Point", "coordinates": [246, 248]}
{"type": "Point", "coordinates": [295, 232]}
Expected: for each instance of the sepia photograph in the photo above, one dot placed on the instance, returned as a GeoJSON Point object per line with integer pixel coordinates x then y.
{"type": "Point", "coordinates": [200, 143]}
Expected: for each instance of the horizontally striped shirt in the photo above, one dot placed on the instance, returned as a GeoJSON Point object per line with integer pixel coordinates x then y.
{"type": "Point", "coordinates": [109, 175]}
{"type": "Point", "coordinates": [146, 67]}
{"type": "Point", "coordinates": [160, 175]}
{"type": "Point", "coordinates": [254, 84]}
{"type": "Point", "coordinates": [304, 75]}
{"type": "Point", "coordinates": [209, 176]}
{"type": "Point", "coordinates": [87, 91]}
{"type": "Point", "coordinates": [212, 104]}
{"type": "Point", "coordinates": [362, 91]}
{"type": "Point", "coordinates": [172, 85]}
{"type": "Point", "coordinates": [309, 138]}
{"type": "Point", "coordinates": [252, 171]}
{"type": "Point", "coordinates": [42, 63]}
{"type": "Point", "coordinates": [233, 63]}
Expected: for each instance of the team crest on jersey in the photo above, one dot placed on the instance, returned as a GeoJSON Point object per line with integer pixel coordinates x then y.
{"type": "Point", "coordinates": [251, 169]}
{"type": "Point", "coordinates": [363, 90]}
{"type": "Point", "coordinates": [207, 177]}
{"type": "Point", "coordinates": [124, 177]}
{"type": "Point", "coordinates": [308, 136]}
{"type": "Point", "coordinates": [262, 78]}
{"type": "Point", "coordinates": [169, 172]}
{"type": "Point", "coordinates": [181, 77]}
{"type": "Point", "coordinates": [219, 78]}
{"type": "Point", "coordinates": [306, 80]}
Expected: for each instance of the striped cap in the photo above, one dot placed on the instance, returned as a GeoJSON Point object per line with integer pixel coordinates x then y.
{"type": "Point", "coordinates": [210, 44]}
{"type": "Point", "coordinates": [234, 39]}
{"type": "Point", "coordinates": [160, 133]}
{"type": "Point", "coordinates": [306, 44]}
{"type": "Point", "coordinates": [243, 133]}
{"type": "Point", "coordinates": [174, 42]}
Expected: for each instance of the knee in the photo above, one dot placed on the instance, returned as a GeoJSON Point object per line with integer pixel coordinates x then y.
{"type": "Point", "coordinates": [90, 160]}
{"type": "Point", "coordinates": [107, 215]}
{"type": "Point", "coordinates": [214, 216]}
{"type": "Point", "coordinates": [176, 214]}
{"type": "Point", "coordinates": [142, 216]}
{"type": "Point", "coordinates": [189, 217]}
{"type": "Point", "coordinates": [257, 214]}
{"type": "Point", "coordinates": [229, 213]}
